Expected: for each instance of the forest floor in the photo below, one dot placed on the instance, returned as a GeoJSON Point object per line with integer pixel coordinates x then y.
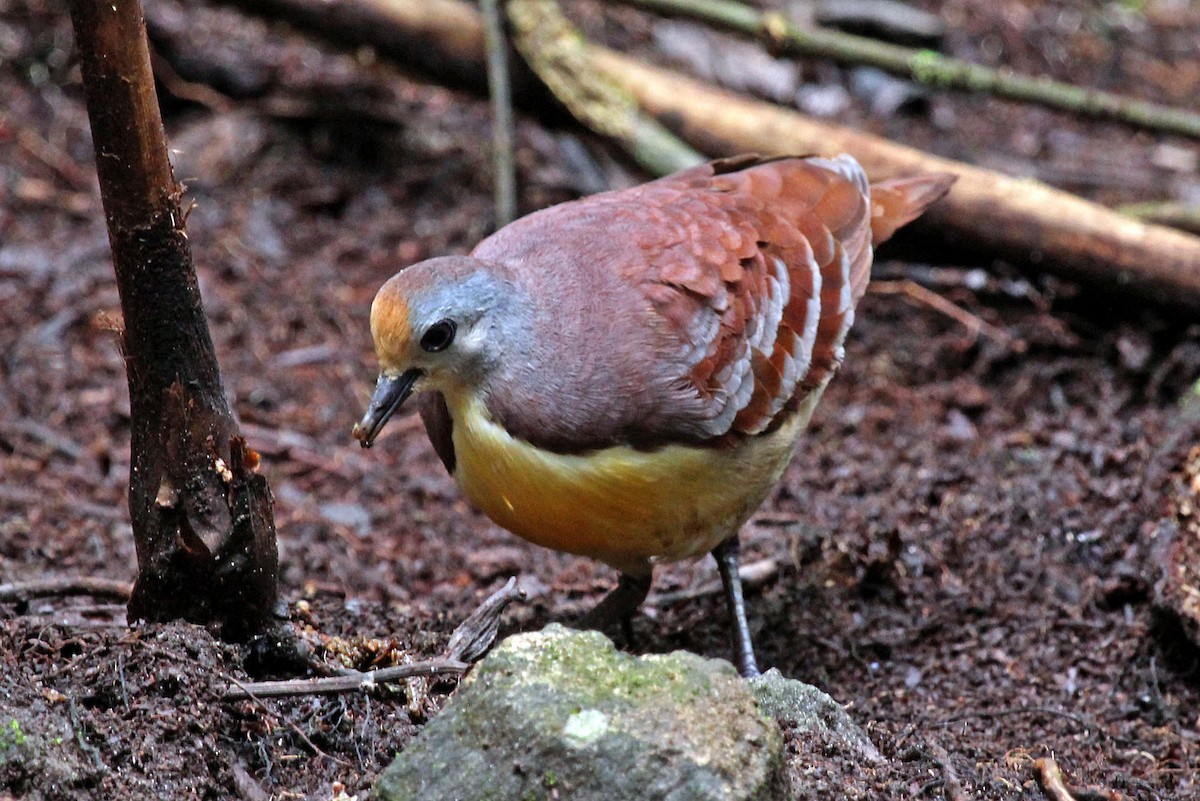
{"type": "Point", "coordinates": [961, 551]}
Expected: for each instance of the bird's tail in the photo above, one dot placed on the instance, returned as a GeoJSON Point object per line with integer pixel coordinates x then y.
{"type": "Point", "coordinates": [899, 201]}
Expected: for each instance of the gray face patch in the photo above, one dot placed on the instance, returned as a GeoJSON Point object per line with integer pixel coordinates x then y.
{"type": "Point", "coordinates": [485, 307]}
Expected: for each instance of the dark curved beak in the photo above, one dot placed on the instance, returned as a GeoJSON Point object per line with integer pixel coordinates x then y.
{"type": "Point", "coordinates": [390, 393]}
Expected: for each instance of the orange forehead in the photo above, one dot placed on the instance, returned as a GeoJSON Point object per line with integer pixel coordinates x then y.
{"type": "Point", "coordinates": [389, 326]}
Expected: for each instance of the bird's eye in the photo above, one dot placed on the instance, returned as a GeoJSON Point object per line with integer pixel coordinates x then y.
{"type": "Point", "coordinates": [438, 336]}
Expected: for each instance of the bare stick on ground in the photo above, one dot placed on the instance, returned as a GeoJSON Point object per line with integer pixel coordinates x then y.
{"type": "Point", "coordinates": [952, 787]}
{"type": "Point", "coordinates": [1054, 785]}
{"type": "Point", "coordinates": [201, 514]}
{"type": "Point", "coordinates": [304, 738]}
{"type": "Point", "coordinates": [333, 685]}
{"type": "Point", "coordinates": [69, 585]}
{"type": "Point", "coordinates": [974, 324]}
{"type": "Point", "coordinates": [475, 635]}
{"type": "Point", "coordinates": [469, 642]}
{"type": "Point", "coordinates": [753, 574]}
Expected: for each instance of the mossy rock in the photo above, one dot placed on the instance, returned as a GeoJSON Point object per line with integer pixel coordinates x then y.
{"type": "Point", "coordinates": [563, 714]}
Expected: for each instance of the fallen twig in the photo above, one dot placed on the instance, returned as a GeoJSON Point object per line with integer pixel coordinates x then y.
{"type": "Point", "coordinates": [49, 437]}
{"type": "Point", "coordinates": [475, 635]}
{"type": "Point", "coordinates": [36, 192]}
{"type": "Point", "coordinates": [305, 450]}
{"type": "Point", "coordinates": [68, 505]}
{"type": "Point", "coordinates": [332, 685]}
{"type": "Point", "coordinates": [927, 66]}
{"type": "Point", "coordinates": [67, 585]}
{"type": "Point", "coordinates": [1017, 218]}
{"type": "Point", "coordinates": [61, 164]}
{"type": "Point", "coordinates": [1090, 793]}
{"type": "Point", "coordinates": [974, 324]}
{"type": "Point", "coordinates": [198, 93]}
{"type": "Point", "coordinates": [985, 714]}
{"type": "Point", "coordinates": [1050, 779]}
{"type": "Point", "coordinates": [469, 642]}
{"type": "Point", "coordinates": [245, 784]}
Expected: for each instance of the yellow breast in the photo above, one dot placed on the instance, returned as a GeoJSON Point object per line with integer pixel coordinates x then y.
{"type": "Point", "coordinates": [623, 506]}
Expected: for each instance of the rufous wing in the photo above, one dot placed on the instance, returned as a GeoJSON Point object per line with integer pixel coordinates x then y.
{"type": "Point", "coordinates": [761, 280]}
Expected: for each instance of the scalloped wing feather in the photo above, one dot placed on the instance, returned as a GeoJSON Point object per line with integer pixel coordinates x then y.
{"type": "Point", "coordinates": [758, 281]}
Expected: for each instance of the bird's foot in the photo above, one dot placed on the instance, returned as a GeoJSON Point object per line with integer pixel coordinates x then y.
{"type": "Point", "coordinates": [726, 555]}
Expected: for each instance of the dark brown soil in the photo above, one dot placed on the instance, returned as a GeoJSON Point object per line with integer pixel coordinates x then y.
{"type": "Point", "coordinates": [960, 548]}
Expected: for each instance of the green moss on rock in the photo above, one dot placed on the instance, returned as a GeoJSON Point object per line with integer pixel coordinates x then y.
{"type": "Point", "coordinates": [560, 713]}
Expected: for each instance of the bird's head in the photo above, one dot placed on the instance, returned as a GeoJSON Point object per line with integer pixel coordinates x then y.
{"type": "Point", "coordinates": [437, 325]}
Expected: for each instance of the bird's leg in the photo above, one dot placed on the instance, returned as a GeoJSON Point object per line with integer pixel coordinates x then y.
{"type": "Point", "coordinates": [620, 604]}
{"type": "Point", "coordinates": [726, 555]}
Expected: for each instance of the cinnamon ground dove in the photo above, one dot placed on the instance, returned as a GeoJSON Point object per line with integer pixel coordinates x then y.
{"type": "Point", "coordinates": [626, 376]}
